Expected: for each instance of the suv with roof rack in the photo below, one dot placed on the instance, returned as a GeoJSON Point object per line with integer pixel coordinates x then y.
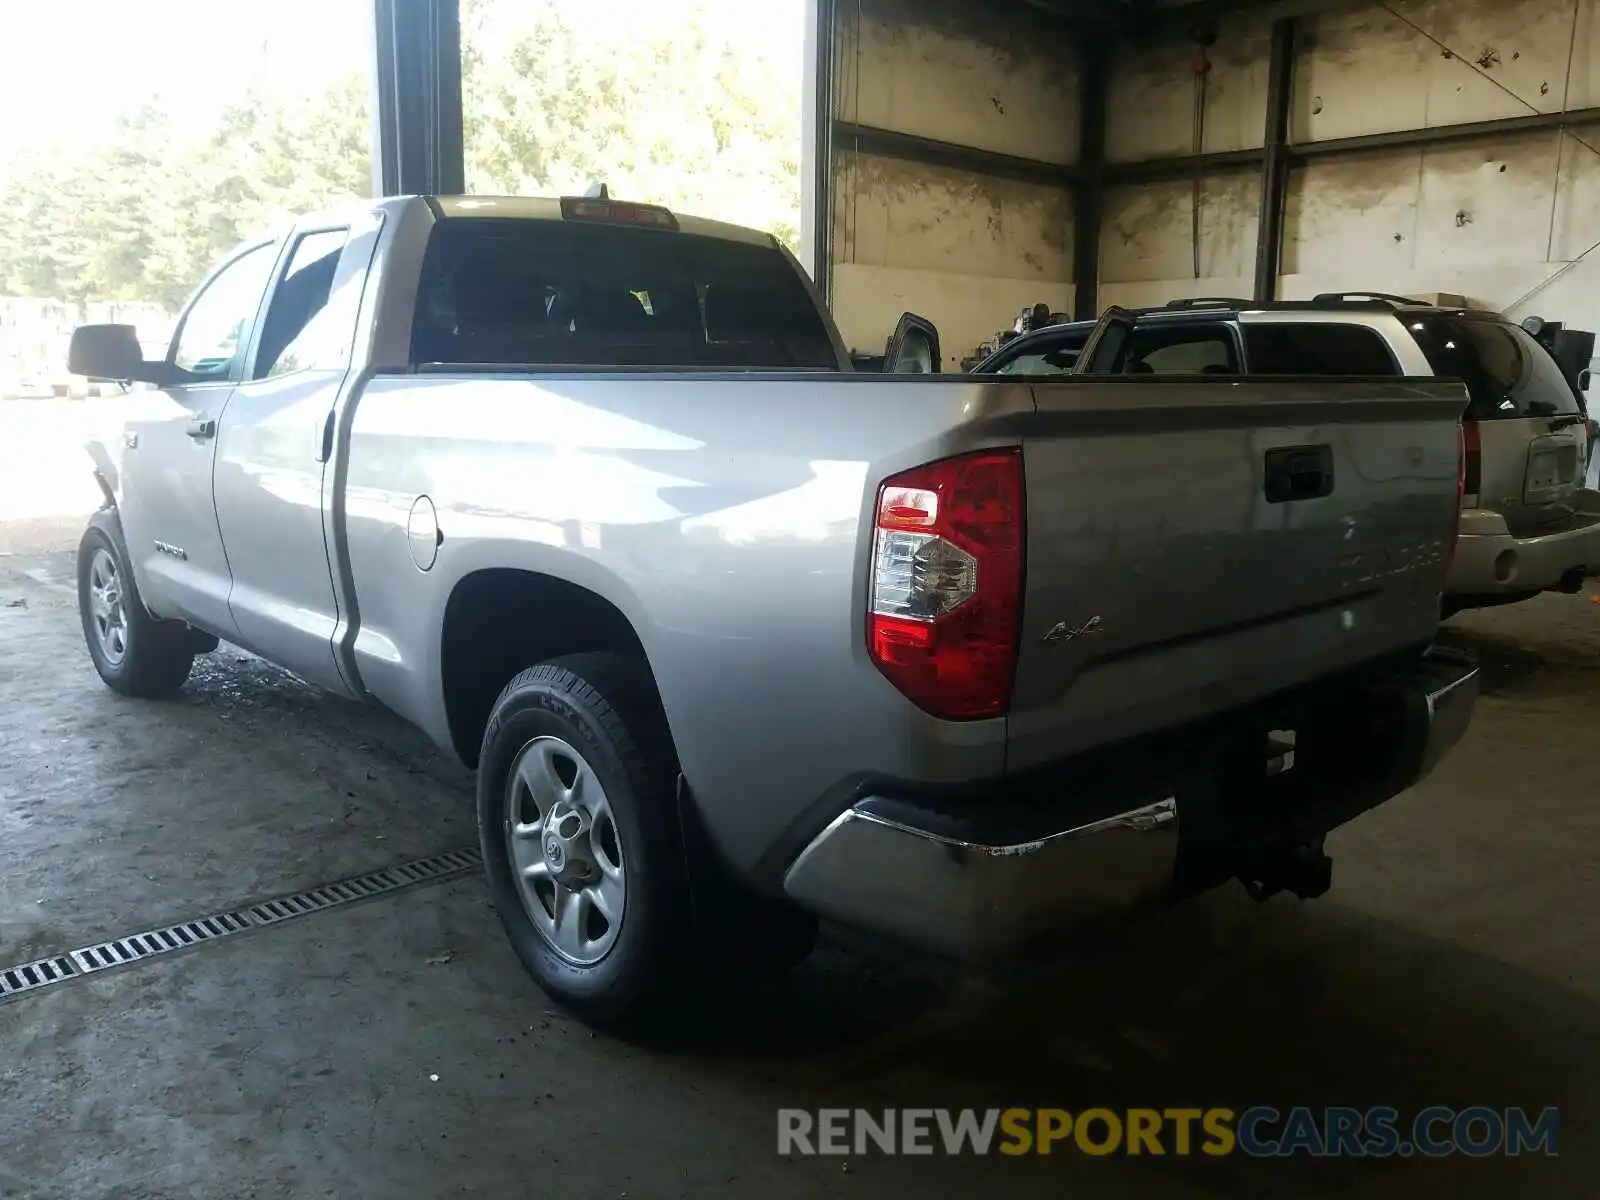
{"type": "Point", "coordinates": [1528, 523]}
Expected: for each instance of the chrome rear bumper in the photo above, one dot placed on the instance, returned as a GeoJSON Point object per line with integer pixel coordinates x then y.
{"type": "Point", "coordinates": [965, 897]}
{"type": "Point", "coordinates": [877, 867]}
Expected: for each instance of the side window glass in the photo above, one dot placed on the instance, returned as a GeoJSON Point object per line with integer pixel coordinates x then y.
{"type": "Point", "coordinates": [1305, 348]}
{"type": "Point", "coordinates": [302, 330]}
{"type": "Point", "coordinates": [1205, 350]}
{"type": "Point", "coordinates": [218, 321]}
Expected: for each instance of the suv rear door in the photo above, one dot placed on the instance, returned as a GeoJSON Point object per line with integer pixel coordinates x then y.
{"type": "Point", "coordinates": [1524, 416]}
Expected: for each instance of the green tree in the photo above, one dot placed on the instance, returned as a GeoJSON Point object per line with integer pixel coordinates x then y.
{"type": "Point", "coordinates": [682, 120]}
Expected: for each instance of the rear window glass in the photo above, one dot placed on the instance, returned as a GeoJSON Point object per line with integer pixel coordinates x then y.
{"type": "Point", "coordinates": [1507, 373]}
{"type": "Point", "coordinates": [1312, 349]}
{"type": "Point", "coordinates": [512, 293]}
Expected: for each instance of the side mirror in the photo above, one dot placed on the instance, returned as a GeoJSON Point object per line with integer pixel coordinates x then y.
{"type": "Point", "coordinates": [1583, 380]}
{"type": "Point", "coordinates": [111, 352]}
{"type": "Point", "coordinates": [914, 348]}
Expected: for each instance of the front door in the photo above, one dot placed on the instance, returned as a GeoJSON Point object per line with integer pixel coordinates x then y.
{"type": "Point", "coordinates": [276, 441]}
{"type": "Point", "coordinates": [1102, 351]}
{"type": "Point", "coordinates": [169, 516]}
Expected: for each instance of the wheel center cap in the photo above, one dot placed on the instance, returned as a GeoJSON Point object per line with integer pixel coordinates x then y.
{"type": "Point", "coordinates": [567, 855]}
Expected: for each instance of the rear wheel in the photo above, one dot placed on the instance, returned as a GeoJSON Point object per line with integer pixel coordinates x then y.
{"type": "Point", "coordinates": [133, 652]}
{"type": "Point", "coordinates": [575, 808]}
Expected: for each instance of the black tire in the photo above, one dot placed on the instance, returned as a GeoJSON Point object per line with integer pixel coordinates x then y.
{"type": "Point", "coordinates": [604, 706]}
{"type": "Point", "coordinates": [157, 655]}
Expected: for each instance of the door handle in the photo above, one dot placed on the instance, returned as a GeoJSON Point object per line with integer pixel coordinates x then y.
{"type": "Point", "coordinates": [201, 429]}
{"type": "Point", "coordinates": [1298, 473]}
{"type": "Point", "coordinates": [325, 450]}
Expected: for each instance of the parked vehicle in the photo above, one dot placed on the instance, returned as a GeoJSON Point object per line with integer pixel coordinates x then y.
{"type": "Point", "coordinates": [1528, 522]}
{"type": "Point", "coordinates": [735, 635]}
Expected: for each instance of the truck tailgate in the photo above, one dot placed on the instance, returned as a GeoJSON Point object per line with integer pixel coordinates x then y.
{"type": "Point", "coordinates": [1191, 547]}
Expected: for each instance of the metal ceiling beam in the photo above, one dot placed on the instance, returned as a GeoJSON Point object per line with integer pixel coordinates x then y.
{"type": "Point", "coordinates": [908, 147]}
{"type": "Point", "coordinates": [1443, 135]}
{"type": "Point", "coordinates": [1184, 166]}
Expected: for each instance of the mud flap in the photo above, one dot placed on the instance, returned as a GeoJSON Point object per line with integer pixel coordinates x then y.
{"type": "Point", "coordinates": [738, 932]}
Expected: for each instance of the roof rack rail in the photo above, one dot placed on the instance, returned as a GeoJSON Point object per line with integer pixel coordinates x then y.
{"type": "Point", "coordinates": [1209, 302]}
{"type": "Point", "coordinates": [1384, 297]}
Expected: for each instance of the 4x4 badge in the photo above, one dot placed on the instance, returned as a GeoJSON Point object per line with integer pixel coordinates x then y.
{"type": "Point", "coordinates": [1062, 632]}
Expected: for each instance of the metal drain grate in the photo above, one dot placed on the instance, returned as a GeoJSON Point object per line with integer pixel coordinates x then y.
{"type": "Point", "coordinates": [135, 947]}
{"type": "Point", "coordinates": [158, 941]}
{"type": "Point", "coordinates": [37, 974]}
{"type": "Point", "coordinates": [348, 891]}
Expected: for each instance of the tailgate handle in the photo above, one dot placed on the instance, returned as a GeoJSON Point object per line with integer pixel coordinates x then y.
{"type": "Point", "coordinates": [1298, 473]}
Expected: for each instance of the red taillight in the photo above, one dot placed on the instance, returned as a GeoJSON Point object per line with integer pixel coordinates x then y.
{"type": "Point", "coordinates": [1467, 464]}
{"type": "Point", "coordinates": [1471, 458]}
{"type": "Point", "coordinates": [946, 600]}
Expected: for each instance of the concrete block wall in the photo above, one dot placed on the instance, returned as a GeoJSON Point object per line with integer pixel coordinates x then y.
{"type": "Point", "coordinates": [1493, 219]}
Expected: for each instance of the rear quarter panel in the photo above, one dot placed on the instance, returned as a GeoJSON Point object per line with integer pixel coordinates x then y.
{"type": "Point", "coordinates": [722, 514]}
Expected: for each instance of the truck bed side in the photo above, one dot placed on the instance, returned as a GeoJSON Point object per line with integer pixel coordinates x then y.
{"type": "Point", "coordinates": [728, 519]}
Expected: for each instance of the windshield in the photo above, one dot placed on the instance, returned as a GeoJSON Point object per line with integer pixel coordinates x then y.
{"type": "Point", "coordinates": [559, 293]}
{"type": "Point", "coordinates": [1053, 357]}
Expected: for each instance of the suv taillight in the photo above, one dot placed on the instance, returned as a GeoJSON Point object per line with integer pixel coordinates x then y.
{"type": "Point", "coordinates": [1471, 457]}
{"type": "Point", "coordinates": [1466, 463]}
{"type": "Point", "coordinates": [946, 601]}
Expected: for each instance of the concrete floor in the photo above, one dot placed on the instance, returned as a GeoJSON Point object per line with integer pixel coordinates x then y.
{"type": "Point", "coordinates": [1455, 963]}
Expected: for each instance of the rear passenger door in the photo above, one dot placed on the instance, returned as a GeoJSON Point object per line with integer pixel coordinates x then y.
{"type": "Point", "coordinates": [274, 448]}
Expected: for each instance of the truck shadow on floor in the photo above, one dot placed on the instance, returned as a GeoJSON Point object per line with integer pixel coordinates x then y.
{"type": "Point", "coordinates": [1220, 1003]}
{"type": "Point", "coordinates": [1509, 666]}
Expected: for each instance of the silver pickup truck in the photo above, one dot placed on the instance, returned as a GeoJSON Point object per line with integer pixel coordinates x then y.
{"type": "Point", "coordinates": [736, 636]}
